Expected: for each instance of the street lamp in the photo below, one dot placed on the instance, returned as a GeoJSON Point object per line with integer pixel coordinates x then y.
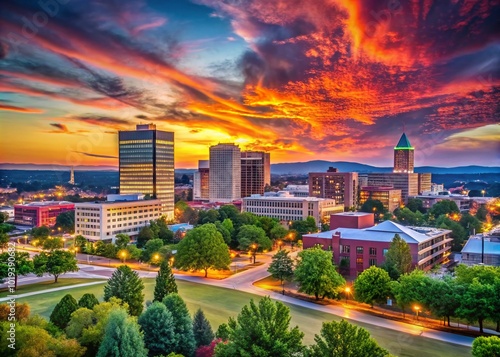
{"type": "Point", "coordinates": [123, 255]}
{"type": "Point", "coordinates": [254, 251]}
{"type": "Point", "coordinates": [279, 244]}
{"type": "Point", "coordinates": [417, 309]}
{"type": "Point", "coordinates": [347, 290]}
{"type": "Point", "coordinates": [25, 239]}
{"type": "Point", "coordinates": [172, 261]}
{"type": "Point", "coordinates": [232, 262]}
{"type": "Point", "coordinates": [483, 192]}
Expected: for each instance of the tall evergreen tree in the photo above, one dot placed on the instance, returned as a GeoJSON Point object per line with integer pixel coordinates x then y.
{"type": "Point", "coordinates": [157, 325]}
{"type": "Point", "coordinates": [88, 300]}
{"type": "Point", "coordinates": [61, 314]}
{"type": "Point", "coordinates": [122, 337]}
{"type": "Point", "coordinates": [203, 333]}
{"type": "Point", "coordinates": [183, 325]}
{"type": "Point", "coordinates": [399, 255]}
{"type": "Point", "coordinates": [126, 285]}
{"type": "Point", "coordinates": [165, 282]}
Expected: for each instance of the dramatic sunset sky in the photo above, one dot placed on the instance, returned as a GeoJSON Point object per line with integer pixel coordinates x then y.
{"type": "Point", "coordinates": [303, 79]}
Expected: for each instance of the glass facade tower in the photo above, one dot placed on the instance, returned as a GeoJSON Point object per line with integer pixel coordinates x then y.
{"type": "Point", "coordinates": [146, 159]}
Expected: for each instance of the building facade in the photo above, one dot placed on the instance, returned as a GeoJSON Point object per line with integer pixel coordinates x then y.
{"type": "Point", "coordinates": [104, 220]}
{"type": "Point", "coordinates": [424, 182]}
{"type": "Point", "coordinates": [404, 156]}
{"type": "Point", "coordinates": [339, 186]}
{"type": "Point", "coordinates": [297, 190]}
{"type": "Point", "coordinates": [225, 173]}
{"type": "Point", "coordinates": [358, 249]}
{"type": "Point", "coordinates": [285, 207]}
{"type": "Point", "coordinates": [255, 172]}
{"type": "Point", "coordinates": [388, 195]}
{"type": "Point", "coordinates": [406, 182]}
{"type": "Point", "coordinates": [146, 159]}
{"type": "Point", "coordinates": [201, 181]}
{"type": "Point", "coordinates": [37, 214]}
{"type": "Point", "coordinates": [481, 249]}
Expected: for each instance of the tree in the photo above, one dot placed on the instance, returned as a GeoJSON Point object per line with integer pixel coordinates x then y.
{"type": "Point", "coordinates": [226, 235]}
{"type": "Point", "coordinates": [122, 337]}
{"type": "Point", "coordinates": [55, 263]}
{"type": "Point", "coordinates": [207, 351]}
{"type": "Point", "coordinates": [443, 297]}
{"type": "Point", "coordinates": [410, 289]}
{"type": "Point", "coordinates": [165, 282]}
{"type": "Point", "coordinates": [345, 340]}
{"type": "Point", "coordinates": [22, 312]}
{"type": "Point", "coordinates": [250, 236]}
{"type": "Point", "coordinates": [40, 232]}
{"type": "Point", "coordinates": [183, 325]}
{"type": "Point", "coordinates": [281, 267]}
{"type": "Point", "coordinates": [415, 204]}
{"type": "Point", "coordinates": [203, 248]}
{"type": "Point", "coordinates": [477, 302]}
{"type": "Point", "coordinates": [165, 234]}
{"type": "Point", "coordinates": [278, 232]}
{"type": "Point", "coordinates": [4, 240]}
{"type": "Point", "coordinates": [458, 233]}
{"type": "Point", "coordinates": [144, 235]}
{"type": "Point", "coordinates": [66, 221]}
{"type": "Point", "coordinates": [372, 285]}
{"type": "Point", "coordinates": [126, 285]}
{"type": "Point", "coordinates": [61, 314]}
{"type": "Point", "coordinates": [88, 301]}
{"type": "Point", "coordinates": [223, 332]}
{"type": "Point", "coordinates": [53, 243]}
{"type": "Point", "coordinates": [373, 206]}
{"type": "Point", "coordinates": [122, 240]}
{"type": "Point", "coordinates": [262, 330]}
{"type": "Point", "coordinates": [209, 216]}
{"type": "Point", "coordinates": [151, 249]}
{"type": "Point", "coordinates": [316, 274]}
{"type": "Point", "coordinates": [133, 251]}
{"type": "Point", "coordinates": [203, 333]}
{"type": "Point", "coordinates": [303, 227]}
{"type": "Point", "coordinates": [482, 213]}
{"type": "Point", "coordinates": [4, 217]}
{"type": "Point", "coordinates": [80, 242]}
{"type": "Point", "coordinates": [399, 255]}
{"type": "Point", "coordinates": [23, 265]}
{"type": "Point", "coordinates": [444, 207]}
{"type": "Point", "coordinates": [157, 325]}
{"type": "Point", "coordinates": [486, 346]}
{"type": "Point", "coordinates": [267, 224]}
{"type": "Point", "coordinates": [471, 224]}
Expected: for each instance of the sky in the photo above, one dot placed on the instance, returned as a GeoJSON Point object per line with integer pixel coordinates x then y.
{"type": "Point", "coordinates": [336, 80]}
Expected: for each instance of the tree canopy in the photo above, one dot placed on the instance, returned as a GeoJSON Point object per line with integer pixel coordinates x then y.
{"type": "Point", "coordinates": [281, 267]}
{"type": "Point", "coordinates": [61, 314]}
{"type": "Point", "coordinates": [372, 285]}
{"type": "Point", "coordinates": [399, 255]}
{"type": "Point", "coordinates": [203, 248]}
{"type": "Point", "coordinates": [165, 282]}
{"type": "Point", "coordinates": [203, 333]}
{"type": "Point", "coordinates": [261, 330]}
{"type": "Point", "coordinates": [250, 234]}
{"type": "Point", "coordinates": [55, 263]}
{"type": "Point", "coordinates": [126, 285]}
{"type": "Point", "coordinates": [23, 265]}
{"type": "Point", "coordinates": [316, 274]}
{"type": "Point", "coordinates": [486, 346]}
{"type": "Point", "coordinates": [341, 339]}
{"type": "Point", "coordinates": [183, 325]}
{"type": "Point", "coordinates": [157, 325]}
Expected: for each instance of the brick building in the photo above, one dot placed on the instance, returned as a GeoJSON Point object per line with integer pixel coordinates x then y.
{"type": "Point", "coordinates": [37, 214]}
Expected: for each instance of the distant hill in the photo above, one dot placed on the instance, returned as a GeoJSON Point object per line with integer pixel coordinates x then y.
{"type": "Point", "coordinates": [56, 167]}
{"type": "Point", "coordinates": [345, 166]}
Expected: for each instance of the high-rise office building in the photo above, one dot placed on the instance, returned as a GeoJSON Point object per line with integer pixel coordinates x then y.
{"type": "Point", "coordinates": [340, 186]}
{"type": "Point", "coordinates": [146, 158]}
{"type": "Point", "coordinates": [225, 173]}
{"type": "Point", "coordinates": [424, 182]}
{"type": "Point", "coordinates": [404, 156]}
{"type": "Point", "coordinates": [201, 181]}
{"type": "Point", "coordinates": [406, 182]}
{"type": "Point", "coordinates": [255, 172]}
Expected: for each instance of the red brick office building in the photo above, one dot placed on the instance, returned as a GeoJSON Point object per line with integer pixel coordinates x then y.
{"type": "Point", "coordinates": [362, 244]}
{"type": "Point", "coordinates": [37, 214]}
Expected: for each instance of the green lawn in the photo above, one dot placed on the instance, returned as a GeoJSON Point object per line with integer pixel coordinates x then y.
{"type": "Point", "coordinates": [218, 304]}
{"type": "Point", "coordinates": [22, 289]}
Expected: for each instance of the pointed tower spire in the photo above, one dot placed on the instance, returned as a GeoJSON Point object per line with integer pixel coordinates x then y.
{"type": "Point", "coordinates": [403, 156]}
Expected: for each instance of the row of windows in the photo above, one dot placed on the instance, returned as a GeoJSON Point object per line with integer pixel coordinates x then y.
{"type": "Point", "coordinates": [93, 220]}
{"type": "Point", "coordinates": [281, 204]}
{"type": "Point", "coordinates": [276, 211]}
{"type": "Point", "coordinates": [346, 249]}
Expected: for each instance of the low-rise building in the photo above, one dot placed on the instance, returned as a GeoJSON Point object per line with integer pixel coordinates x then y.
{"type": "Point", "coordinates": [297, 190]}
{"type": "Point", "coordinates": [9, 211]}
{"type": "Point", "coordinates": [119, 214]}
{"type": "Point", "coordinates": [285, 207]}
{"type": "Point", "coordinates": [431, 198]}
{"type": "Point", "coordinates": [361, 248]}
{"type": "Point", "coordinates": [37, 214]}
{"type": "Point", "coordinates": [482, 249]}
{"type": "Point", "coordinates": [388, 195]}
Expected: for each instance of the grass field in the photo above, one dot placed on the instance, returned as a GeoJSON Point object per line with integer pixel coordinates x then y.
{"type": "Point", "coordinates": [218, 304]}
{"type": "Point", "coordinates": [22, 289]}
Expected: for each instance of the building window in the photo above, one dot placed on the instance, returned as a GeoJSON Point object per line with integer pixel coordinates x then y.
{"type": "Point", "coordinates": [359, 261]}
{"type": "Point", "coordinates": [373, 262]}
{"type": "Point", "coordinates": [359, 250]}
{"type": "Point", "coordinates": [346, 249]}
{"type": "Point", "coordinates": [373, 251]}
{"type": "Point", "coordinates": [385, 251]}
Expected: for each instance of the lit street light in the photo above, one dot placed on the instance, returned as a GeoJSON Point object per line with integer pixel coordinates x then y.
{"type": "Point", "coordinates": [417, 309]}
{"type": "Point", "coordinates": [254, 251]}
{"type": "Point", "coordinates": [347, 290]}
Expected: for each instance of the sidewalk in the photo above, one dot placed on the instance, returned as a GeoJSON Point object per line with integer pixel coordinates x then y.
{"type": "Point", "coordinates": [19, 296]}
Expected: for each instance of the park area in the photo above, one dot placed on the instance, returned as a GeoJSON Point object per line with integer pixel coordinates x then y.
{"type": "Point", "coordinates": [219, 304]}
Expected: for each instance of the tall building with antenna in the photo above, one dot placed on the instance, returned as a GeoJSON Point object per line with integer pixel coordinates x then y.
{"type": "Point", "coordinates": [404, 156]}
{"type": "Point", "coordinates": [72, 176]}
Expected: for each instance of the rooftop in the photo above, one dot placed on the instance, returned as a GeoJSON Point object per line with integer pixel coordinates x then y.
{"type": "Point", "coordinates": [356, 214]}
{"type": "Point", "coordinates": [384, 232]}
{"type": "Point", "coordinates": [282, 195]}
{"type": "Point", "coordinates": [473, 245]}
{"type": "Point", "coordinates": [45, 204]}
{"type": "Point", "coordinates": [404, 143]}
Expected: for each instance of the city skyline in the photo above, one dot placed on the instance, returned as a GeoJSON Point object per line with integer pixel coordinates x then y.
{"type": "Point", "coordinates": [336, 81]}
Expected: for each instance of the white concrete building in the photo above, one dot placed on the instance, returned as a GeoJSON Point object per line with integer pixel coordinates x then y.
{"type": "Point", "coordinates": [285, 207]}
{"type": "Point", "coordinates": [298, 190]}
{"type": "Point", "coordinates": [120, 214]}
{"type": "Point", "coordinates": [225, 173]}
